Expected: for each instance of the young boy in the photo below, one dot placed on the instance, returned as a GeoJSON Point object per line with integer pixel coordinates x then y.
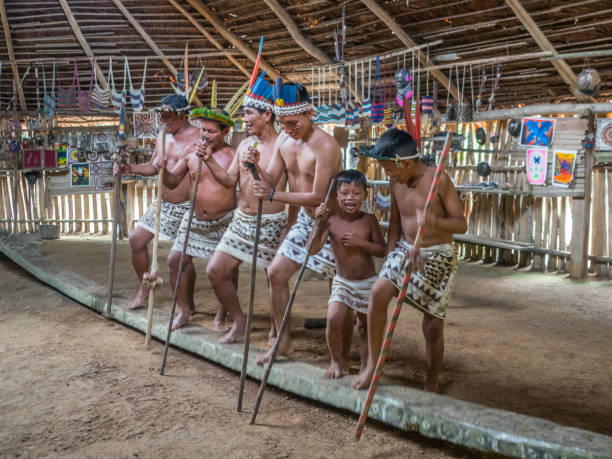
{"type": "Point", "coordinates": [355, 238]}
{"type": "Point", "coordinates": [431, 287]}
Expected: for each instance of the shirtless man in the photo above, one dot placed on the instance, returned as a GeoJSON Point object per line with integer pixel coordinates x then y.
{"type": "Point", "coordinates": [180, 134]}
{"type": "Point", "coordinates": [432, 285]}
{"type": "Point", "coordinates": [214, 205]}
{"type": "Point", "coordinates": [237, 243]}
{"type": "Point", "coordinates": [310, 157]}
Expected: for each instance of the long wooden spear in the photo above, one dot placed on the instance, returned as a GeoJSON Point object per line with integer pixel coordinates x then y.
{"type": "Point", "coordinates": [180, 268]}
{"type": "Point", "coordinates": [283, 324]}
{"type": "Point", "coordinates": [249, 323]}
{"type": "Point", "coordinates": [402, 294]}
{"type": "Point", "coordinates": [151, 277]}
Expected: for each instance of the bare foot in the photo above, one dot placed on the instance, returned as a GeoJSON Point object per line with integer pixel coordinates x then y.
{"type": "Point", "coordinates": [180, 320]}
{"type": "Point", "coordinates": [285, 349]}
{"type": "Point", "coordinates": [272, 337]}
{"type": "Point", "coordinates": [364, 379]}
{"type": "Point", "coordinates": [334, 371]}
{"type": "Point", "coordinates": [432, 387]}
{"type": "Point", "coordinates": [141, 296]}
{"type": "Point", "coordinates": [236, 332]}
{"type": "Point", "coordinates": [220, 324]}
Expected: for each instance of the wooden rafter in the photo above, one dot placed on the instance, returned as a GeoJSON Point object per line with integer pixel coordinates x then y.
{"type": "Point", "coordinates": [403, 36]}
{"type": "Point", "coordinates": [565, 71]}
{"type": "Point", "coordinates": [83, 42]}
{"type": "Point", "coordinates": [231, 37]}
{"type": "Point", "coordinates": [145, 36]}
{"type": "Point", "coordinates": [11, 54]}
{"type": "Point", "coordinates": [297, 36]}
{"type": "Point", "coordinates": [209, 37]}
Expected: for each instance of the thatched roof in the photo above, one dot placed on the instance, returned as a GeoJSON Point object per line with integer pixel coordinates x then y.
{"type": "Point", "coordinates": [473, 29]}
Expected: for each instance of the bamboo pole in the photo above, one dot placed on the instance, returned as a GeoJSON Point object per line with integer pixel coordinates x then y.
{"type": "Point", "coordinates": [598, 209]}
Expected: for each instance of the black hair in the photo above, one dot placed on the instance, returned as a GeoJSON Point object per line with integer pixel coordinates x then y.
{"type": "Point", "coordinates": [301, 93]}
{"type": "Point", "coordinates": [176, 101]}
{"type": "Point", "coordinates": [394, 142]}
{"type": "Point", "coordinates": [352, 176]}
{"type": "Point", "coordinates": [261, 112]}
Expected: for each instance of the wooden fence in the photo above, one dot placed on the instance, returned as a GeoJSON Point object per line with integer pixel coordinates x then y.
{"type": "Point", "coordinates": [522, 226]}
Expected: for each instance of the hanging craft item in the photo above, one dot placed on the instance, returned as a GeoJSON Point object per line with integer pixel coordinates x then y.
{"type": "Point", "coordinates": [495, 137]}
{"type": "Point", "coordinates": [62, 156]}
{"type": "Point", "coordinates": [100, 97]}
{"type": "Point", "coordinates": [495, 87]}
{"type": "Point", "coordinates": [537, 164]}
{"type": "Point", "coordinates": [484, 169]}
{"type": "Point", "coordinates": [84, 97]}
{"type": "Point", "coordinates": [79, 174]}
{"type": "Point", "coordinates": [604, 135]}
{"type": "Point", "coordinates": [378, 106]}
{"type": "Point", "coordinates": [50, 159]}
{"type": "Point", "coordinates": [514, 127]}
{"type": "Point", "coordinates": [481, 135]}
{"type": "Point", "coordinates": [403, 84]}
{"type": "Point", "coordinates": [146, 125]}
{"type": "Point", "coordinates": [563, 172]}
{"type": "Point", "coordinates": [32, 159]}
{"type": "Point", "coordinates": [483, 80]}
{"type": "Point", "coordinates": [589, 82]}
{"type": "Point", "coordinates": [366, 105]}
{"type": "Point", "coordinates": [537, 132]}
{"type": "Point", "coordinates": [323, 116]}
{"type": "Point", "coordinates": [451, 107]}
{"type": "Point", "coordinates": [463, 108]}
{"type": "Point", "coordinates": [382, 201]}
{"type": "Point", "coordinates": [137, 95]}
{"type": "Point", "coordinates": [67, 98]}
{"type": "Point", "coordinates": [118, 99]}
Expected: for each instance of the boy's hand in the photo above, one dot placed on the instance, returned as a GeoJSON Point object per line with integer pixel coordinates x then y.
{"type": "Point", "coordinates": [261, 189]}
{"type": "Point", "coordinates": [415, 261]}
{"type": "Point", "coordinates": [124, 168]}
{"type": "Point", "coordinates": [350, 240]}
{"type": "Point", "coordinates": [322, 211]}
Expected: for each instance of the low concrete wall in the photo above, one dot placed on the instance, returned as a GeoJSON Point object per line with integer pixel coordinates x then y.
{"type": "Point", "coordinates": [434, 416]}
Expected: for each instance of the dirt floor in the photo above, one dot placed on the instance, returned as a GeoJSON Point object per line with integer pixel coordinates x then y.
{"type": "Point", "coordinates": [533, 343]}
{"type": "Point", "coordinates": [76, 385]}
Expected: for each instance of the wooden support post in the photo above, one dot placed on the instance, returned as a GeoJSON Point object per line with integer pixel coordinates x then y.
{"type": "Point", "coordinates": [129, 208]}
{"type": "Point", "coordinates": [87, 213]}
{"type": "Point", "coordinates": [3, 201]}
{"type": "Point", "coordinates": [96, 214]}
{"type": "Point", "coordinates": [554, 234]}
{"type": "Point", "coordinates": [21, 204]}
{"type": "Point", "coordinates": [83, 42]}
{"type": "Point", "coordinates": [609, 173]}
{"type": "Point", "coordinates": [538, 259]}
{"type": "Point", "coordinates": [214, 20]}
{"type": "Point", "coordinates": [71, 213]}
{"type": "Point", "coordinates": [56, 211]}
{"type": "Point", "coordinates": [581, 209]}
{"type": "Point", "coordinates": [562, 241]}
{"type": "Point", "coordinates": [145, 36]}
{"type": "Point", "coordinates": [565, 71]}
{"type": "Point", "coordinates": [78, 213]}
{"type": "Point", "coordinates": [104, 199]}
{"type": "Point", "coordinates": [385, 17]}
{"type": "Point", "coordinates": [11, 56]}
{"type": "Point", "coordinates": [140, 199]}
{"type": "Point", "coordinates": [598, 207]}
{"type": "Point", "coordinates": [209, 37]}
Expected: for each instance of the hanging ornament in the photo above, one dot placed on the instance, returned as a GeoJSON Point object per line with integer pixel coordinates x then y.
{"type": "Point", "coordinates": [514, 127]}
{"type": "Point", "coordinates": [589, 81]}
{"type": "Point", "coordinates": [403, 84]}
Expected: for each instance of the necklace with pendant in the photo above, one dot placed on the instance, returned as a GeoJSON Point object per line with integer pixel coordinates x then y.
{"type": "Point", "coordinates": [413, 186]}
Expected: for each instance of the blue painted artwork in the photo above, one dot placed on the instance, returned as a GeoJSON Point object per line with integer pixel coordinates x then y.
{"type": "Point", "coordinates": [537, 132]}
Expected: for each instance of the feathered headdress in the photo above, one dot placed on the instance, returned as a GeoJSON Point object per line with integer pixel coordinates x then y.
{"type": "Point", "coordinates": [290, 99]}
{"type": "Point", "coordinates": [259, 96]}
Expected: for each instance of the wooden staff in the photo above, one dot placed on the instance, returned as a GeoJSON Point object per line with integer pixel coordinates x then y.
{"type": "Point", "coordinates": [151, 277]}
{"type": "Point", "coordinates": [283, 324]}
{"type": "Point", "coordinates": [400, 298]}
{"type": "Point", "coordinates": [247, 337]}
{"type": "Point", "coordinates": [180, 269]}
{"type": "Point", "coordinates": [116, 218]}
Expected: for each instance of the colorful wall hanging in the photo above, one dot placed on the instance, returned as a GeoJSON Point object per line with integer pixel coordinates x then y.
{"type": "Point", "coordinates": [62, 156]}
{"type": "Point", "coordinates": [564, 162]}
{"type": "Point", "coordinates": [32, 159]}
{"type": "Point", "coordinates": [537, 132]}
{"type": "Point", "coordinates": [603, 141]}
{"type": "Point", "coordinates": [146, 125]}
{"type": "Point", "coordinates": [50, 159]}
{"type": "Point", "coordinates": [537, 159]}
{"type": "Point", "coordinates": [79, 174]}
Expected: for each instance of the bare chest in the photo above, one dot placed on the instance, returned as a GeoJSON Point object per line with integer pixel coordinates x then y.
{"type": "Point", "coordinates": [300, 162]}
{"type": "Point", "coordinates": [358, 227]}
{"type": "Point", "coordinates": [409, 200]}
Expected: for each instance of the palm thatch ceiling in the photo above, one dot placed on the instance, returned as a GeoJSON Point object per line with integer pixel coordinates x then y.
{"type": "Point", "coordinates": [467, 30]}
